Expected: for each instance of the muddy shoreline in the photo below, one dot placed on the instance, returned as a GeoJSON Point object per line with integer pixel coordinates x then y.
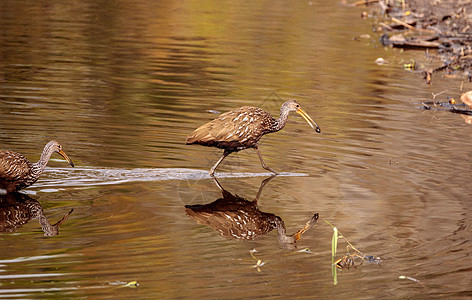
{"type": "Point", "coordinates": [440, 28]}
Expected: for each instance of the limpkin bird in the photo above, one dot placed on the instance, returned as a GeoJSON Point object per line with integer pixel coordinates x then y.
{"type": "Point", "coordinates": [242, 128]}
{"type": "Point", "coordinates": [237, 218]}
{"type": "Point", "coordinates": [17, 172]}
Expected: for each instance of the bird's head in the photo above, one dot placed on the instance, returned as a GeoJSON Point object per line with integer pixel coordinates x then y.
{"type": "Point", "coordinates": [293, 105]}
{"type": "Point", "coordinates": [56, 147]}
{"type": "Point", "coordinates": [53, 230]}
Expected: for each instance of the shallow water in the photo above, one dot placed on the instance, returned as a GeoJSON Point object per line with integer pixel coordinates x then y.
{"type": "Point", "coordinates": [122, 84]}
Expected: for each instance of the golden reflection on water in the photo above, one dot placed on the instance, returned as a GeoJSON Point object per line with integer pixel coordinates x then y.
{"type": "Point", "coordinates": [122, 84]}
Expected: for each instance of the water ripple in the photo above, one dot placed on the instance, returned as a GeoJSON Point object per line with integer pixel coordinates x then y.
{"type": "Point", "coordinates": [79, 177]}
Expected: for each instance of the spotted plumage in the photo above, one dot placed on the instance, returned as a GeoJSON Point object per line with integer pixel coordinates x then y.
{"type": "Point", "coordinates": [17, 172]}
{"type": "Point", "coordinates": [242, 128]}
{"type": "Point", "coordinates": [235, 130]}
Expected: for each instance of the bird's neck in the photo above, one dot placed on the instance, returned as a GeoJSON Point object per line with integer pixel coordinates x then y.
{"type": "Point", "coordinates": [37, 212]}
{"type": "Point", "coordinates": [282, 120]}
{"type": "Point", "coordinates": [45, 225]}
{"type": "Point", "coordinates": [39, 166]}
{"type": "Point", "coordinates": [286, 241]}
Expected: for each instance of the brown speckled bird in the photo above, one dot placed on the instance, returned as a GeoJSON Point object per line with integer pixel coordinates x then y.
{"type": "Point", "coordinates": [242, 128]}
{"type": "Point", "coordinates": [17, 172]}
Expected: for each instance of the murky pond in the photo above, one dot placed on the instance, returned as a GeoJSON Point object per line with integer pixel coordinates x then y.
{"type": "Point", "coordinates": [122, 84]}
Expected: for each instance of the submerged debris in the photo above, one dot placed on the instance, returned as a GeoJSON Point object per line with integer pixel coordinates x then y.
{"type": "Point", "coordinates": [447, 106]}
{"type": "Point", "coordinates": [353, 260]}
{"type": "Point", "coordinates": [349, 260]}
{"type": "Point", "coordinates": [463, 108]}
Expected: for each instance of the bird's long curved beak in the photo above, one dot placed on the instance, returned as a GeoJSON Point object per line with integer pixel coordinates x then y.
{"type": "Point", "coordinates": [309, 120]}
{"type": "Point", "coordinates": [63, 154]}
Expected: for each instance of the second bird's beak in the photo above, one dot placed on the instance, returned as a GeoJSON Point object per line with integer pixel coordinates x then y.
{"type": "Point", "coordinates": [63, 154]}
{"type": "Point", "coordinates": [309, 120]}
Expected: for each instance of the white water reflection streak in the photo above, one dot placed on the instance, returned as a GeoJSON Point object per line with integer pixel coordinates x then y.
{"type": "Point", "coordinates": [54, 179]}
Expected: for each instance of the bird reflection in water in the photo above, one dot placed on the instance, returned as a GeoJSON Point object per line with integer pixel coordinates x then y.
{"type": "Point", "coordinates": [237, 218]}
{"type": "Point", "coordinates": [17, 209]}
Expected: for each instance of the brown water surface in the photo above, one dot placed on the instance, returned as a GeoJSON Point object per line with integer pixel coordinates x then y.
{"type": "Point", "coordinates": [121, 84]}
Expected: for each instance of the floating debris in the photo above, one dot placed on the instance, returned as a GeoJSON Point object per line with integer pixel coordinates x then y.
{"type": "Point", "coordinates": [381, 61]}
{"type": "Point", "coordinates": [372, 259]}
{"type": "Point", "coordinates": [306, 250]}
{"type": "Point", "coordinates": [450, 106]}
{"type": "Point", "coordinates": [411, 66]}
{"type": "Point", "coordinates": [400, 41]}
{"type": "Point", "coordinates": [409, 278]}
{"type": "Point", "coordinates": [259, 263]}
{"type": "Point", "coordinates": [354, 260]}
{"type": "Point", "coordinates": [349, 260]}
{"type": "Point", "coordinates": [131, 284]}
{"type": "Point", "coordinates": [212, 111]}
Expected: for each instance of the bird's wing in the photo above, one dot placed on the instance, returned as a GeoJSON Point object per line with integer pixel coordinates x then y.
{"type": "Point", "coordinates": [232, 126]}
{"type": "Point", "coordinates": [13, 165]}
{"type": "Point", "coordinates": [217, 130]}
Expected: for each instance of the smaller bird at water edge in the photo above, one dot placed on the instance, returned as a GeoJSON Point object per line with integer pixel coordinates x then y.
{"type": "Point", "coordinates": [17, 172]}
{"type": "Point", "coordinates": [242, 128]}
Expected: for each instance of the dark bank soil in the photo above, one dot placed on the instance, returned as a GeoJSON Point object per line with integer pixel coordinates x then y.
{"type": "Point", "coordinates": [440, 28]}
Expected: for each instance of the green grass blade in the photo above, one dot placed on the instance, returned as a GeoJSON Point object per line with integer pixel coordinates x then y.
{"type": "Point", "coordinates": [334, 243]}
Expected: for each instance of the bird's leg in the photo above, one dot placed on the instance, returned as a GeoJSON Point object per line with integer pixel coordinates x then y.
{"type": "Point", "coordinates": [218, 184]}
{"type": "Point", "coordinates": [263, 163]}
{"type": "Point", "coordinates": [212, 170]}
{"type": "Point", "coordinates": [263, 183]}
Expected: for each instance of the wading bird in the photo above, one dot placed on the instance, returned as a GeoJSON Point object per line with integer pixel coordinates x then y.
{"type": "Point", "coordinates": [17, 172]}
{"type": "Point", "coordinates": [242, 128]}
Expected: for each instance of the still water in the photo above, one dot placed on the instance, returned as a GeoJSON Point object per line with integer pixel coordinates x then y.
{"type": "Point", "coordinates": [121, 84]}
